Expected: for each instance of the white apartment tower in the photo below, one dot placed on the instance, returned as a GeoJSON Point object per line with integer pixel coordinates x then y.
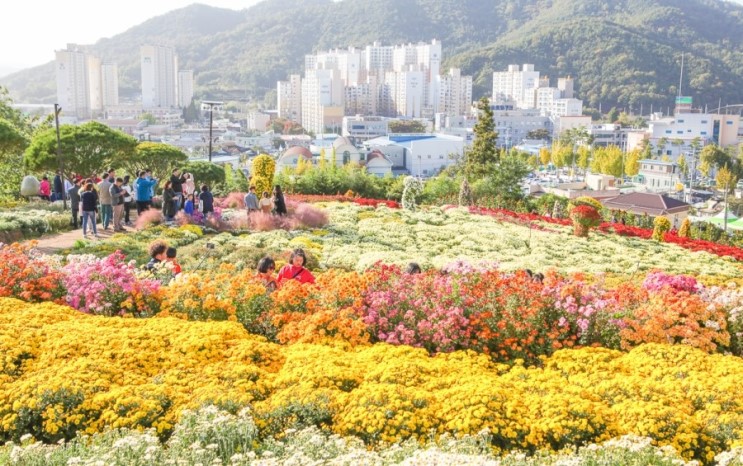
{"type": "Point", "coordinates": [455, 93]}
{"type": "Point", "coordinates": [516, 86]}
{"type": "Point", "coordinates": [110, 84]}
{"type": "Point", "coordinates": [322, 100]}
{"type": "Point", "coordinates": [73, 89]}
{"type": "Point", "coordinates": [159, 77]}
{"type": "Point", "coordinates": [290, 98]}
{"type": "Point", "coordinates": [185, 88]}
{"type": "Point", "coordinates": [95, 84]}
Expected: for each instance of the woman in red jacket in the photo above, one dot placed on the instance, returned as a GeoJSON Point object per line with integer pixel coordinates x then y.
{"type": "Point", "coordinates": [295, 270]}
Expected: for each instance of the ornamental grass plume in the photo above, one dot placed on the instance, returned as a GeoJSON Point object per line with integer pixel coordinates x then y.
{"type": "Point", "coordinates": [148, 218]}
{"type": "Point", "coordinates": [109, 286]}
{"type": "Point", "coordinates": [231, 201]}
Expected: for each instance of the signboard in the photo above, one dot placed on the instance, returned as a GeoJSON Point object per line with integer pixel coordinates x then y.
{"type": "Point", "coordinates": [683, 100]}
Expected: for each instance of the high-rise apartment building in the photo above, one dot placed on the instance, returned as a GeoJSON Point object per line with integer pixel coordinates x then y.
{"type": "Point", "coordinates": [185, 88]}
{"type": "Point", "coordinates": [322, 100]}
{"type": "Point", "coordinates": [290, 98]}
{"type": "Point", "coordinates": [95, 84]}
{"type": "Point", "coordinates": [455, 93]}
{"type": "Point", "coordinates": [110, 84]}
{"type": "Point", "coordinates": [159, 77]}
{"type": "Point", "coordinates": [73, 89]}
{"type": "Point", "coordinates": [516, 86]}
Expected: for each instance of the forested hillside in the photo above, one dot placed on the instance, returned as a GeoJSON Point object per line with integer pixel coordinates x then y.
{"type": "Point", "coordinates": [621, 52]}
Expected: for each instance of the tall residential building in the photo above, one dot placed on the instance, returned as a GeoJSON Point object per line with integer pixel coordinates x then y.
{"type": "Point", "coordinates": [290, 98]}
{"type": "Point", "coordinates": [516, 86]}
{"type": "Point", "coordinates": [95, 84]}
{"type": "Point", "coordinates": [159, 77]}
{"type": "Point", "coordinates": [110, 84]}
{"type": "Point", "coordinates": [185, 88]}
{"type": "Point", "coordinates": [322, 100]}
{"type": "Point", "coordinates": [407, 92]}
{"type": "Point", "coordinates": [455, 93]}
{"type": "Point", "coordinates": [73, 89]}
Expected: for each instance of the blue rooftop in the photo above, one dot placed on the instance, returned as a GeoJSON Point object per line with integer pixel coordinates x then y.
{"type": "Point", "coordinates": [410, 137]}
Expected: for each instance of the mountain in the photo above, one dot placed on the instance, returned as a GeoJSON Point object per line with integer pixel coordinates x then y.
{"type": "Point", "coordinates": [620, 52]}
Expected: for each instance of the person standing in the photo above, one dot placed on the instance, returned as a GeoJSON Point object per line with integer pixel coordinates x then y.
{"type": "Point", "coordinates": [144, 192]}
{"type": "Point", "coordinates": [117, 202]}
{"type": "Point", "coordinates": [189, 187]}
{"type": "Point", "coordinates": [266, 203]}
{"type": "Point", "coordinates": [169, 201]}
{"type": "Point", "coordinates": [104, 194]}
{"type": "Point", "coordinates": [128, 199]}
{"type": "Point", "coordinates": [279, 204]}
{"type": "Point", "coordinates": [89, 201]}
{"type": "Point", "coordinates": [207, 201]}
{"type": "Point", "coordinates": [251, 201]}
{"type": "Point", "coordinates": [74, 193]}
{"type": "Point", "coordinates": [176, 183]}
{"type": "Point", "coordinates": [58, 187]}
{"type": "Point", "coordinates": [45, 189]}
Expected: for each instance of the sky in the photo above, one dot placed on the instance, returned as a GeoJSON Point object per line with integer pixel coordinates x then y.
{"type": "Point", "coordinates": [30, 31]}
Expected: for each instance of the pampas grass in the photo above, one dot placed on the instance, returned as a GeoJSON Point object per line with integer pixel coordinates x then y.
{"type": "Point", "coordinates": [148, 218]}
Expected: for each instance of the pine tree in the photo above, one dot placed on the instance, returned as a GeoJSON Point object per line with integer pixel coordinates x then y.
{"type": "Point", "coordinates": [483, 155]}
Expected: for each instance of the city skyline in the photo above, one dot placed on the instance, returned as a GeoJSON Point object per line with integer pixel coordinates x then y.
{"type": "Point", "coordinates": [45, 35]}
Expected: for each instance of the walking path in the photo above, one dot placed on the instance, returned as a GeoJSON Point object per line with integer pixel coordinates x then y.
{"type": "Point", "coordinates": [56, 242]}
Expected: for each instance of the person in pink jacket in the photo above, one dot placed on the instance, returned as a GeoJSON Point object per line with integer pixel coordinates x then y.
{"type": "Point", "coordinates": [45, 189]}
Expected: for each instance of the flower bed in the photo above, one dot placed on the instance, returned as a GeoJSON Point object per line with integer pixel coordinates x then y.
{"type": "Point", "coordinates": [66, 373]}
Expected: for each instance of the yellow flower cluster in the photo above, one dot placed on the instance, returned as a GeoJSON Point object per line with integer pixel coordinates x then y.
{"type": "Point", "coordinates": [63, 372]}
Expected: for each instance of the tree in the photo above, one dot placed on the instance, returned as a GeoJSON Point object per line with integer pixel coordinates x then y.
{"type": "Point", "coordinates": [584, 155]}
{"type": "Point", "coordinates": [541, 134]}
{"type": "Point", "coordinates": [505, 180]}
{"type": "Point", "coordinates": [662, 143]}
{"type": "Point", "coordinates": [613, 115]}
{"type": "Point", "coordinates": [262, 172]}
{"type": "Point", "coordinates": [203, 172]}
{"type": "Point", "coordinates": [725, 179]}
{"type": "Point", "coordinates": [406, 126]}
{"type": "Point", "coordinates": [149, 118]}
{"type": "Point", "coordinates": [15, 130]}
{"type": "Point", "coordinates": [11, 138]}
{"type": "Point", "coordinates": [158, 157]}
{"type": "Point", "coordinates": [191, 113]}
{"type": "Point", "coordinates": [86, 149]}
{"type": "Point", "coordinates": [683, 166]}
{"type": "Point", "coordinates": [711, 156]}
{"type": "Point", "coordinates": [607, 160]}
{"type": "Point", "coordinates": [483, 154]}
{"type": "Point", "coordinates": [544, 156]}
{"type": "Point", "coordinates": [632, 163]}
{"type": "Point", "coordinates": [562, 154]}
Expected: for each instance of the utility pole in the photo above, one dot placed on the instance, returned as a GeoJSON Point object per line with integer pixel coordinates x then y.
{"type": "Point", "coordinates": [725, 219]}
{"type": "Point", "coordinates": [57, 111]}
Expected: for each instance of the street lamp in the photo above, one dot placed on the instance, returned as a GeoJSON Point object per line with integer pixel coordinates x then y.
{"type": "Point", "coordinates": [210, 106]}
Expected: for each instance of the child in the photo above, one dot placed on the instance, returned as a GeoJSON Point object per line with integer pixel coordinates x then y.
{"type": "Point", "coordinates": [188, 207]}
{"type": "Point", "coordinates": [170, 257]}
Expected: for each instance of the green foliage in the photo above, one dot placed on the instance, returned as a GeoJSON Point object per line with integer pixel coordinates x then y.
{"type": "Point", "coordinates": [607, 160]}
{"type": "Point", "coordinates": [339, 180]}
{"type": "Point", "coordinates": [86, 149]}
{"type": "Point", "coordinates": [505, 179]}
{"type": "Point", "coordinates": [207, 173]}
{"type": "Point", "coordinates": [158, 157]}
{"type": "Point", "coordinates": [483, 155]}
{"type": "Point", "coordinates": [286, 126]}
{"type": "Point", "coordinates": [406, 126]}
{"type": "Point", "coordinates": [234, 180]}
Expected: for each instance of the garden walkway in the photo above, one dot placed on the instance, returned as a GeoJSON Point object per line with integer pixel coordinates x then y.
{"type": "Point", "coordinates": [56, 242]}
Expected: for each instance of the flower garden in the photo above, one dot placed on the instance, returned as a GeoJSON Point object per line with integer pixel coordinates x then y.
{"type": "Point", "coordinates": [628, 351]}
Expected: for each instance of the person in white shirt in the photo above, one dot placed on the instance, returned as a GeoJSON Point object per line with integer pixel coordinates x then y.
{"type": "Point", "coordinates": [128, 199]}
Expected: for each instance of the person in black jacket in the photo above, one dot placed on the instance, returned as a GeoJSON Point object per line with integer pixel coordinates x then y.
{"type": "Point", "coordinates": [74, 193]}
{"type": "Point", "coordinates": [176, 183]}
{"type": "Point", "coordinates": [58, 188]}
{"type": "Point", "coordinates": [89, 201]}
{"type": "Point", "coordinates": [279, 204]}
{"type": "Point", "coordinates": [207, 201]}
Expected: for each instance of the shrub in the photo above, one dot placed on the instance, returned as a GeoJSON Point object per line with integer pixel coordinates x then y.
{"type": "Point", "coordinates": [685, 230]}
{"type": "Point", "coordinates": [584, 218]}
{"type": "Point", "coordinates": [29, 276]}
{"type": "Point", "coordinates": [262, 172]}
{"type": "Point", "coordinates": [660, 226]}
{"type": "Point", "coordinates": [109, 286]}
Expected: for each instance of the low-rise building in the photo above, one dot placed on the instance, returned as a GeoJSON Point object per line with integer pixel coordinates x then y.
{"type": "Point", "coordinates": [659, 176]}
{"type": "Point", "coordinates": [652, 204]}
{"type": "Point", "coordinates": [418, 154]}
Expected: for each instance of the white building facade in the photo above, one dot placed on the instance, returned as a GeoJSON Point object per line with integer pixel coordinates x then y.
{"type": "Point", "coordinates": [159, 77]}
{"type": "Point", "coordinates": [73, 88]}
{"type": "Point", "coordinates": [290, 98]}
{"type": "Point", "coordinates": [185, 88]}
{"type": "Point", "coordinates": [110, 84]}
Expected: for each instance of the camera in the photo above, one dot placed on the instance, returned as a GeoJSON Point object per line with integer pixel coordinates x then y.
{"type": "Point", "coordinates": [210, 245]}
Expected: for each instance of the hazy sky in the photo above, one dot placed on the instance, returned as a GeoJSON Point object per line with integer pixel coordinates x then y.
{"type": "Point", "coordinates": [30, 31]}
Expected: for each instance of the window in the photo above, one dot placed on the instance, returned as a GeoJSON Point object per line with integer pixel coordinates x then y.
{"type": "Point", "coordinates": [680, 121]}
{"type": "Point", "coordinates": [729, 122]}
{"type": "Point", "coordinates": [669, 152]}
{"type": "Point", "coordinates": [668, 131]}
{"type": "Point", "coordinates": [680, 132]}
{"type": "Point", "coordinates": [703, 133]}
{"type": "Point", "coordinates": [429, 156]}
{"type": "Point", "coordinates": [441, 157]}
{"type": "Point", "coordinates": [704, 122]}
